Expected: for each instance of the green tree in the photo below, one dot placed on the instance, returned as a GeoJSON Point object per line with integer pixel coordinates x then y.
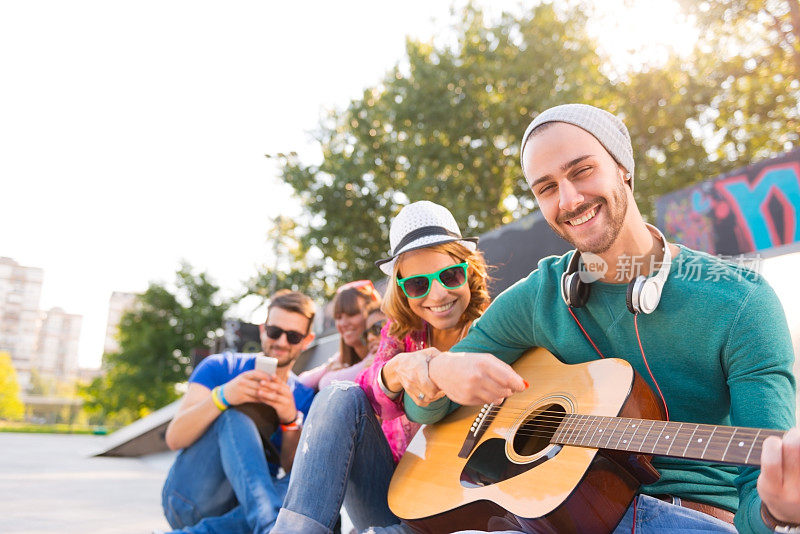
{"type": "Point", "coordinates": [446, 126]}
{"type": "Point", "coordinates": [157, 339]}
{"type": "Point", "coordinates": [663, 108]}
{"type": "Point", "coordinates": [754, 50]}
{"type": "Point", "coordinates": [11, 406]}
{"type": "Point", "coordinates": [758, 26]}
{"type": "Point", "coordinates": [733, 101]}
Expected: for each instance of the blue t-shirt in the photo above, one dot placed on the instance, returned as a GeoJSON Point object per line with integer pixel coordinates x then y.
{"type": "Point", "coordinates": [219, 369]}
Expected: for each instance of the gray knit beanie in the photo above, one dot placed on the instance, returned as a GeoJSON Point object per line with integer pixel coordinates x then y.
{"type": "Point", "coordinates": [604, 126]}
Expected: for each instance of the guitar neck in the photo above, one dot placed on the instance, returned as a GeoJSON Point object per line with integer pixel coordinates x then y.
{"type": "Point", "coordinates": [723, 444]}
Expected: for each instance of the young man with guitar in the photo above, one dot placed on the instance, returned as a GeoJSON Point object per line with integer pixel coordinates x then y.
{"type": "Point", "coordinates": [710, 338]}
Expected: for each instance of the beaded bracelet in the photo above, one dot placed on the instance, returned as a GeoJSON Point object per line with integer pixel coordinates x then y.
{"type": "Point", "coordinates": [776, 525]}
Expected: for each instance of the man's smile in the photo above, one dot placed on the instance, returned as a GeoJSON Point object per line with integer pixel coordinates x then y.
{"type": "Point", "coordinates": [588, 215]}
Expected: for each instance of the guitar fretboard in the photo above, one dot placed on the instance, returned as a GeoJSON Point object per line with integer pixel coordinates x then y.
{"type": "Point", "coordinates": [724, 444]}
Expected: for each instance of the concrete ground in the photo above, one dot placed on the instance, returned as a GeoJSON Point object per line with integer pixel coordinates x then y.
{"type": "Point", "coordinates": [50, 483]}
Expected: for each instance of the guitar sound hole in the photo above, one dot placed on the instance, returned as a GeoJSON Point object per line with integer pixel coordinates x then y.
{"type": "Point", "coordinates": [537, 431]}
{"type": "Point", "coordinates": [488, 463]}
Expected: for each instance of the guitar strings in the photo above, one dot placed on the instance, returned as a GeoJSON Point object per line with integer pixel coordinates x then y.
{"type": "Point", "coordinates": [588, 427]}
{"type": "Point", "coordinates": [580, 426]}
{"type": "Point", "coordinates": [711, 453]}
{"type": "Point", "coordinates": [579, 423]}
{"type": "Point", "coordinates": [714, 450]}
{"type": "Point", "coordinates": [711, 450]}
{"type": "Point", "coordinates": [572, 439]}
{"type": "Point", "coordinates": [559, 416]}
{"type": "Point", "coordinates": [578, 433]}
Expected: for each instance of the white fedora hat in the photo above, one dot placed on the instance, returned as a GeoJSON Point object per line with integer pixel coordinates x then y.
{"type": "Point", "coordinates": [419, 225]}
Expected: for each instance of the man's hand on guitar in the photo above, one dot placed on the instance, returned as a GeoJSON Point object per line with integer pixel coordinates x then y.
{"type": "Point", "coordinates": [473, 379]}
{"type": "Point", "coordinates": [779, 481]}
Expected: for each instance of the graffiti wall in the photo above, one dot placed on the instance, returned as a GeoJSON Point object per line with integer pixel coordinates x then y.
{"type": "Point", "coordinates": [748, 210]}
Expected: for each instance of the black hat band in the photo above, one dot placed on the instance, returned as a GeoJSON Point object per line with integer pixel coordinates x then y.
{"type": "Point", "coordinates": [424, 231]}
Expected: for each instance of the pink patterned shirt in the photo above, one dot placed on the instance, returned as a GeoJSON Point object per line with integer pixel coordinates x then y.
{"type": "Point", "coordinates": [396, 426]}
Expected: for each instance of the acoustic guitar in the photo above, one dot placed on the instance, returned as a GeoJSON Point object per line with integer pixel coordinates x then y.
{"type": "Point", "coordinates": [568, 454]}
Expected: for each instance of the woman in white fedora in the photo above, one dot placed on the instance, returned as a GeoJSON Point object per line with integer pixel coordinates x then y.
{"type": "Point", "coordinates": [438, 286]}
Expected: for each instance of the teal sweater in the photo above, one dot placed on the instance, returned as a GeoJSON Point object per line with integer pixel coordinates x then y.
{"type": "Point", "coordinates": [718, 345]}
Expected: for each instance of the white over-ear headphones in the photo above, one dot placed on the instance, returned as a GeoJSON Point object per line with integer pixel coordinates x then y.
{"type": "Point", "coordinates": [643, 293]}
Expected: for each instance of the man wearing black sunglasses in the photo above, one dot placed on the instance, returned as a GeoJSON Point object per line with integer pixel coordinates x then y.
{"type": "Point", "coordinates": [230, 416]}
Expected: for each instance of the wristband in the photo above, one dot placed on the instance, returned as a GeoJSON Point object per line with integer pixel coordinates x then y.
{"type": "Point", "coordinates": [218, 403]}
{"type": "Point", "coordinates": [296, 424]}
{"type": "Point", "coordinates": [776, 525]}
{"type": "Point", "coordinates": [222, 397]}
{"type": "Point", "coordinates": [296, 415]}
{"type": "Point", "coordinates": [381, 384]}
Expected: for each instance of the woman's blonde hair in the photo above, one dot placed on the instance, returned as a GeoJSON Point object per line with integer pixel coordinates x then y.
{"type": "Point", "coordinates": [395, 303]}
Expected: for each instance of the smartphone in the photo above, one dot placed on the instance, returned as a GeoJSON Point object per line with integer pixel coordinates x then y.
{"type": "Point", "coordinates": [266, 364]}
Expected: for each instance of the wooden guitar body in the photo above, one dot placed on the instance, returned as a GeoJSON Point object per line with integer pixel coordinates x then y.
{"type": "Point", "coordinates": [512, 477]}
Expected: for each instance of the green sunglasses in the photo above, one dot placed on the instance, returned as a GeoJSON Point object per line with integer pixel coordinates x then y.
{"type": "Point", "coordinates": [419, 285]}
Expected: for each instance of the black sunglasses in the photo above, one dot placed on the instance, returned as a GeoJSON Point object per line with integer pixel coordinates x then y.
{"type": "Point", "coordinates": [376, 328]}
{"type": "Point", "coordinates": [292, 336]}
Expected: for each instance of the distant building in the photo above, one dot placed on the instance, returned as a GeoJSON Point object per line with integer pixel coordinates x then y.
{"type": "Point", "coordinates": [57, 347]}
{"type": "Point", "coordinates": [20, 290]}
{"type": "Point", "coordinates": [118, 304]}
{"type": "Point", "coordinates": [45, 341]}
{"type": "Point", "coordinates": [87, 374]}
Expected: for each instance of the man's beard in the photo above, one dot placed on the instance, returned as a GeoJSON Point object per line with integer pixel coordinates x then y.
{"type": "Point", "coordinates": [616, 217]}
{"type": "Point", "coordinates": [285, 359]}
{"type": "Point", "coordinates": [290, 361]}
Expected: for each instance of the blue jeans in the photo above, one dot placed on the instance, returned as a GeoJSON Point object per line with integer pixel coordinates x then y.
{"type": "Point", "coordinates": [221, 483]}
{"type": "Point", "coordinates": [343, 456]}
{"type": "Point", "coordinates": [654, 516]}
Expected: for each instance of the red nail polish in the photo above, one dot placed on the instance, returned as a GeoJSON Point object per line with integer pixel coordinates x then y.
{"type": "Point", "coordinates": [526, 383]}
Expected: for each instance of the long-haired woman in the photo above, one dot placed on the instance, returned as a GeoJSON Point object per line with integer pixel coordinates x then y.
{"type": "Point", "coordinates": [350, 314]}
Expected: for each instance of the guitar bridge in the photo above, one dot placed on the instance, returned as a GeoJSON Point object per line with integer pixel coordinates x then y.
{"type": "Point", "coordinates": [479, 426]}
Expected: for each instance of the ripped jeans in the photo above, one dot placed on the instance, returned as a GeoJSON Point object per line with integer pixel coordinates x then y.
{"type": "Point", "coordinates": [343, 456]}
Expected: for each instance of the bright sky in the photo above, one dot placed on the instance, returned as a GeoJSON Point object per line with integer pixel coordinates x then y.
{"type": "Point", "coordinates": [781, 273]}
{"type": "Point", "coordinates": [133, 134]}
